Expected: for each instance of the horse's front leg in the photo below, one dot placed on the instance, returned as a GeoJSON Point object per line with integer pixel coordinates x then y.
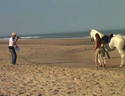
{"type": "Point", "coordinates": [106, 52]}
{"type": "Point", "coordinates": [100, 60]}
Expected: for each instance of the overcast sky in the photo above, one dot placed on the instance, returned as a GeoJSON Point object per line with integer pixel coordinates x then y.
{"type": "Point", "coordinates": [52, 16]}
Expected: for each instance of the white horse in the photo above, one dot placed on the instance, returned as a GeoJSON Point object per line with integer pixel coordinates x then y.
{"type": "Point", "coordinates": [119, 35]}
{"type": "Point", "coordinates": [94, 31]}
{"type": "Point", "coordinates": [117, 42]}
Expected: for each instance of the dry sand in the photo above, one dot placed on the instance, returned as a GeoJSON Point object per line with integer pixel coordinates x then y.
{"type": "Point", "coordinates": [59, 68]}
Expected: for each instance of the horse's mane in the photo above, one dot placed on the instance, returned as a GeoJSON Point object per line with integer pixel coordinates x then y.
{"type": "Point", "coordinates": [94, 30]}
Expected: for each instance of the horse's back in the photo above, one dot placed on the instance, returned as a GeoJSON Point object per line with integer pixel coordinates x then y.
{"type": "Point", "coordinates": [117, 42]}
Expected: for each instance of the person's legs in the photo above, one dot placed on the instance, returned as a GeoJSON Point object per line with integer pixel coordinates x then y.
{"type": "Point", "coordinates": [103, 57]}
{"type": "Point", "coordinates": [97, 57]}
{"type": "Point", "coordinates": [14, 55]}
{"type": "Point", "coordinates": [100, 59]}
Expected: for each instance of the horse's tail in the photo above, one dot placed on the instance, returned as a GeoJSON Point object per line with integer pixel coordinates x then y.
{"type": "Point", "coordinates": [124, 47]}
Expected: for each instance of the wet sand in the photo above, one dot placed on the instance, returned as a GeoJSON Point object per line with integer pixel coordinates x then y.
{"type": "Point", "coordinates": [60, 67]}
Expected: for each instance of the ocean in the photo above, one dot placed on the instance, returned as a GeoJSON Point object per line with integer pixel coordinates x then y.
{"type": "Point", "coordinates": [64, 35]}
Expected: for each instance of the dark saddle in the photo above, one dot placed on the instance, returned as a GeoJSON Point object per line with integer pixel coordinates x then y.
{"type": "Point", "coordinates": [106, 39]}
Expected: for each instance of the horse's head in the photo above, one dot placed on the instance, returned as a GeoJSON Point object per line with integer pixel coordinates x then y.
{"type": "Point", "coordinates": [92, 34]}
{"type": "Point", "coordinates": [93, 31]}
{"type": "Point", "coordinates": [91, 37]}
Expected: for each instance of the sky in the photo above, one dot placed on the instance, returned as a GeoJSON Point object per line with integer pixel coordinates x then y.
{"type": "Point", "coordinates": [57, 16]}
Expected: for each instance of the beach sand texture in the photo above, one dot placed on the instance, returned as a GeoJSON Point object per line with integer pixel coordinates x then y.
{"type": "Point", "coordinates": [62, 67]}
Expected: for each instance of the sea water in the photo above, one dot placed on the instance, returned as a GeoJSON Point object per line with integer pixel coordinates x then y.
{"type": "Point", "coordinates": [84, 34]}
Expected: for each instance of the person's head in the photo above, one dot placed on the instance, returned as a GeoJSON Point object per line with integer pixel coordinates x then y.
{"type": "Point", "coordinates": [13, 34]}
{"type": "Point", "coordinates": [97, 36]}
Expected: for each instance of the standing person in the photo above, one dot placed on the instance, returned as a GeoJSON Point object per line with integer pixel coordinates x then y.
{"type": "Point", "coordinates": [13, 45]}
{"type": "Point", "coordinates": [99, 51]}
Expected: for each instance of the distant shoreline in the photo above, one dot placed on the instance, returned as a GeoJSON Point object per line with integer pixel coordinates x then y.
{"type": "Point", "coordinates": [51, 38]}
{"type": "Point", "coordinates": [56, 38]}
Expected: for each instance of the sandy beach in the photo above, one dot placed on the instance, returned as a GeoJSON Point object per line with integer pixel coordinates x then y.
{"type": "Point", "coordinates": [60, 67]}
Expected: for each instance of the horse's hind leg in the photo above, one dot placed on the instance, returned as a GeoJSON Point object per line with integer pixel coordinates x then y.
{"type": "Point", "coordinates": [121, 52]}
{"type": "Point", "coordinates": [106, 52]}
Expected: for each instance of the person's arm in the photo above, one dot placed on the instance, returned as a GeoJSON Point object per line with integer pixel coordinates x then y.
{"type": "Point", "coordinates": [15, 42]}
{"type": "Point", "coordinates": [17, 37]}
